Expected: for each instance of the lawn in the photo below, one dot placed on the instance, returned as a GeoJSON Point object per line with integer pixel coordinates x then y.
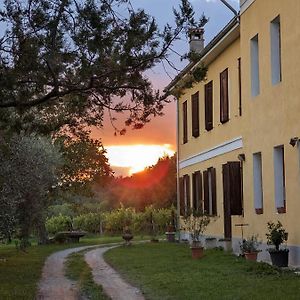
{"type": "Point", "coordinates": [78, 270]}
{"type": "Point", "coordinates": [166, 271]}
{"type": "Point", "coordinates": [20, 272]}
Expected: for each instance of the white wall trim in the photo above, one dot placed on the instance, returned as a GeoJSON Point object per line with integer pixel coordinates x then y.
{"type": "Point", "coordinates": [223, 148]}
{"type": "Point", "coordinates": [245, 5]}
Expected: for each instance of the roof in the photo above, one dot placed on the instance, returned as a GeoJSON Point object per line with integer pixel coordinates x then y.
{"type": "Point", "coordinates": [227, 30]}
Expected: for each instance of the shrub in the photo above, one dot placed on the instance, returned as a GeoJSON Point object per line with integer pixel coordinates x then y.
{"type": "Point", "coordinates": [58, 223]}
{"type": "Point", "coordinates": [276, 235]}
{"type": "Point", "coordinates": [91, 222]}
{"type": "Point", "coordinates": [116, 220]}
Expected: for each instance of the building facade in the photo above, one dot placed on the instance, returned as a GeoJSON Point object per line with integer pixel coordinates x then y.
{"type": "Point", "coordinates": [238, 149]}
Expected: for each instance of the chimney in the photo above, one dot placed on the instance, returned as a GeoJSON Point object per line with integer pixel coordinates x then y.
{"type": "Point", "coordinates": [196, 40]}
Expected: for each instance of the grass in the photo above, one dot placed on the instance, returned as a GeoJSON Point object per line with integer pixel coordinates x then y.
{"type": "Point", "coordinates": [166, 271]}
{"type": "Point", "coordinates": [78, 270]}
{"type": "Point", "coordinates": [20, 272]}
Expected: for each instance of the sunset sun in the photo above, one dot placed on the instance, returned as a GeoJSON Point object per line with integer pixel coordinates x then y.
{"type": "Point", "coordinates": [136, 157]}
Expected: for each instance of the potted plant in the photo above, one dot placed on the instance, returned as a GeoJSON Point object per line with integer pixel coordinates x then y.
{"type": "Point", "coordinates": [196, 224]}
{"type": "Point", "coordinates": [249, 247]}
{"type": "Point", "coordinates": [276, 236]}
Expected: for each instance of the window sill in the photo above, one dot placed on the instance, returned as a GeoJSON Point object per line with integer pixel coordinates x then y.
{"type": "Point", "coordinates": [259, 211]}
{"type": "Point", "coordinates": [281, 210]}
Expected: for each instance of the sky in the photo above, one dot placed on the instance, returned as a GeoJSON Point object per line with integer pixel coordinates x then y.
{"type": "Point", "coordinates": [161, 131]}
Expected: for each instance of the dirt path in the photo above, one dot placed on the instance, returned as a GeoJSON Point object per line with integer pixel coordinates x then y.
{"type": "Point", "coordinates": [53, 284]}
{"type": "Point", "coordinates": [113, 285]}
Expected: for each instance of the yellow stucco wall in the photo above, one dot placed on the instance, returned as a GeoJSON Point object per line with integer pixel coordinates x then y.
{"type": "Point", "coordinates": [209, 139]}
{"type": "Point", "coordinates": [269, 119]}
{"type": "Point", "coordinates": [272, 117]}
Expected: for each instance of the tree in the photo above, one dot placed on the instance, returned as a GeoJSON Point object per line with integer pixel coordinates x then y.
{"type": "Point", "coordinates": [63, 62]}
{"type": "Point", "coordinates": [28, 171]}
{"type": "Point", "coordinates": [155, 185]}
{"type": "Point", "coordinates": [84, 163]}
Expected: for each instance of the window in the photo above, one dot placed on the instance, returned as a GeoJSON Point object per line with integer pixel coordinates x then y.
{"type": "Point", "coordinates": [184, 189]}
{"type": "Point", "coordinates": [224, 101]}
{"type": "Point", "coordinates": [210, 193]}
{"type": "Point", "coordinates": [257, 183]}
{"type": "Point", "coordinates": [255, 88]}
{"type": "Point", "coordinates": [195, 115]}
{"type": "Point", "coordinates": [184, 119]}
{"type": "Point", "coordinates": [275, 50]}
{"type": "Point", "coordinates": [208, 89]}
{"type": "Point", "coordinates": [279, 179]}
{"type": "Point", "coordinates": [197, 191]}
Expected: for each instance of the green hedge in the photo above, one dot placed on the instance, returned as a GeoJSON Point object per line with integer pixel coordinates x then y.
{"type": "Point", "coordinates": [151, 221]}
{"type": "Point", "coordinates": [58, 223]}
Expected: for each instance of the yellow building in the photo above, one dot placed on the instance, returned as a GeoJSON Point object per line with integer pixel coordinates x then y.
{"type": "Point", "coordinates": [238, 151]}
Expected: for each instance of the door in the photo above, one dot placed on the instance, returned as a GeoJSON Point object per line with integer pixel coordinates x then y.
{"type": "Point", "coordinates": [232, 194]}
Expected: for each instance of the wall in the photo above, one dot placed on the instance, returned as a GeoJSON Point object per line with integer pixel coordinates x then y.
{"type": "Point", "coordinates": [273, 115]}
{"type": "Point", "coordinates": [268, 120]}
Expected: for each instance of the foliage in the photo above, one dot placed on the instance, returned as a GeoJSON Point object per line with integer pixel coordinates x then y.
{"type": "Point", "coordinates": [28, 172]}
{"type": "Point", "coordinates": [276, 234]}
{"type": "Point", "coordinates": [194, 76]}
{"type": "Point", "coordinates": [84, 162]}
{"type": "Point", "coordinates": [63, 62]}
{"type": "Point", "coordinates": [118, 219]}
{"type": "Point", "coordinates": [91, 222]}
{"type": "Point", "coordinates": [155, 220]}
{"type": "Point", "coordinates": [165, 271]}
{"type": "Point", "coordinates": [195, 223]}
{"type": "Point", "coordinates": [58, 223]}
{"type": "Point", "coordinates": [78, 270]}
{"type": "Point", "coordinates": [154, 186]}
{"type": "Point", "coordinates": [60, 209]}
{"type": "Point", "coordinates": [250, 245]}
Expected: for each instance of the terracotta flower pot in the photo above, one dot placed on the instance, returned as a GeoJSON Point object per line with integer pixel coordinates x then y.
{"type": "Point", "coordinates": [251, 255]}
{"type": "Point", "coordinates": [197, 252]}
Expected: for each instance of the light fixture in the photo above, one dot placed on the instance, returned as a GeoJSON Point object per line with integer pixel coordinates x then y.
{"type": "Point", "coordinates": [241, 157]}
{"type": "Point", "coordinates": [294, 141]}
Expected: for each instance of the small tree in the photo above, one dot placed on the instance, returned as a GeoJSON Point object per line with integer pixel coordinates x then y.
{"type": "Point", "coordinates": [276, 235]}
{"type": "Point", "coordinates": [195, 223]}
{"type": "Point", "coordinates": [28, 171]}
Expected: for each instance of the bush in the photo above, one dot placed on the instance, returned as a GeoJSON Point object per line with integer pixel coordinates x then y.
{"type": "Point", "coordinates": [91, 222]}
{"type": "Point", "coordinates": [116, 220]}
{"type": "Point", "coordinates": [58, 223]}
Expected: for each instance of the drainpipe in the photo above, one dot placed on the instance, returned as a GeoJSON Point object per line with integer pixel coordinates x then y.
{"type": "Point", "coordinates": [230, 7]}
{"type": "Point", "coordinates": [177, 167]}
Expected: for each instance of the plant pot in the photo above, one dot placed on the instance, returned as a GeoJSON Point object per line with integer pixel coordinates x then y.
{"type": "Point", "coordinates": [127, 237]}
{"type": "Point", "coordinates": [197, 252]}
{"type": "Point", "coordinates": [170, 237]}
{"type": "Point", "coordinates": [280, 258]}
{"type": "Point", "coordinates": [251, 256]}
{"type": "Point", "coordinates": [210, 243]}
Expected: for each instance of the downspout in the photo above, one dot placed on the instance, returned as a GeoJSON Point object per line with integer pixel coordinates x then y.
{"type": "Point", "coordinates": [230, 7]}
{"type": "Point", "coordinates": [177, 167]}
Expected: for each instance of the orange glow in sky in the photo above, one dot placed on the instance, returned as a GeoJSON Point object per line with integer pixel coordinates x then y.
{"type": "Point", "coordinates": [136, 157]}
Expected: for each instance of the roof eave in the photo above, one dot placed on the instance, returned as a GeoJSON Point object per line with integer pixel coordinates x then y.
{"type": "Point", "coordinates": [217, 45]}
